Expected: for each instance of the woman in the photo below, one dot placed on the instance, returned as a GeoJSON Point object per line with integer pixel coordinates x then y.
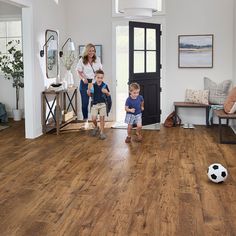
{"type": "Point", "coordinates": [88, 64]}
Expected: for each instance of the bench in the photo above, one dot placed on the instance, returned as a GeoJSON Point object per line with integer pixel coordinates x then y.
{"type": "Point", "coordinates": [193, 105]}
{"type": "Point", "coordinates": [224, 116]}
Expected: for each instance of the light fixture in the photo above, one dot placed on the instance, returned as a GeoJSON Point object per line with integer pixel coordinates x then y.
{"type": "Point", "coordinates": [52, 45]}
{"type": "Point", "coordinates": [137, 9]}
{"type": "Point", "coordinates": [70, 46]}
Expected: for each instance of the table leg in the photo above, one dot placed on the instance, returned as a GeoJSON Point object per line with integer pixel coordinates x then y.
{"type": "Point", "coordinates": [57, 114]}
{"type": "Point", "coordinates": [207, 116]}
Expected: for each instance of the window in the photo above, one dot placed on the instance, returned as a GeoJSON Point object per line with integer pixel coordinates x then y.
{"type": "Point", "coordinates": [160, 8]}
{"type": "Point", "coordinates": [9, 30]}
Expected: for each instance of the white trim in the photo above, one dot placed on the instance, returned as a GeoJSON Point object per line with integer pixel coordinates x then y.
{"type": "Point", "coordinates": [10, 17]}
{"type": "Point", "coordinates": [19, 3]}
{"type": "Point", "coordinates": [158, 13]}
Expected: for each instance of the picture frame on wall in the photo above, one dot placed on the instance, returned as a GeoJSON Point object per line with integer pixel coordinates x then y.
{"type": "Point", "coordinates": [195, 51]}
{"type": "Point", "coordinates": [97, 47]}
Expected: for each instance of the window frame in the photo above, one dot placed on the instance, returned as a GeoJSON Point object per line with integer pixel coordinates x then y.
{"type": "Point", "coordinates": [9, 19]}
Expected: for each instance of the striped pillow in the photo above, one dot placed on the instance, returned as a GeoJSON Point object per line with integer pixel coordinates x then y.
{"type": "Point", "coordinates": [217, 92]}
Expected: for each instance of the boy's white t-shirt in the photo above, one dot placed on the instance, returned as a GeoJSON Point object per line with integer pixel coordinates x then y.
{"type": "Point", "coordinates": [87, 69]}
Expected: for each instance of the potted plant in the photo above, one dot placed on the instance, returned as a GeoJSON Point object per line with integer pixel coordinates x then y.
{"type": "Point", "coordinates": [11, 65]}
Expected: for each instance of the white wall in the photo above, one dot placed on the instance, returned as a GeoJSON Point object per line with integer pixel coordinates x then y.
{"type": "Point", "coordinates": [197, 17]}
{"type": "Point", "coordinates": [46, 15]}
{"type": "Point", "coordinates": [9, 10]}
{"type": "Point", "coordinates": [91, 22]}
{"type": "Point", "coordinates": [88, 22]}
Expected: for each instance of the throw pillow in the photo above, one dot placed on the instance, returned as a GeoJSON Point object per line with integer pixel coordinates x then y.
{"type": "Point", "coordinates": [197, 96]}
{"type": "Point", "coordinates": [230, 102]}
{"type": "Point", "coordinates": [217, 92]}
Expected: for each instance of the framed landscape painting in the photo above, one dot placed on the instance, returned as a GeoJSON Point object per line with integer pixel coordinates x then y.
{"type": "Point", "coordinates": [195, 51]}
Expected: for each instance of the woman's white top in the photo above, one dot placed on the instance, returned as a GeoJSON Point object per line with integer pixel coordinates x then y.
{"type": "Point", "coordinates": [89, 69]}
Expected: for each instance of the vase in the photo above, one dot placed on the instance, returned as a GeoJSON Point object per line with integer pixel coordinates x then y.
{"type": "Point", "coordinates": [17, 114]}
{"type": "Point", "coordinates": [69, 78]}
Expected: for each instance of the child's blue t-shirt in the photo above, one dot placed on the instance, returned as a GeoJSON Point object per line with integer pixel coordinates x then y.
{"type": "Point", "coordinates": [134, 103]}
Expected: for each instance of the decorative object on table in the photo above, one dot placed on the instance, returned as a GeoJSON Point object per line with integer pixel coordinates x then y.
{"type": "Point", "coordinates": [230, 102]}
{"type": "Point", "coordinates": [218, 92]}
{"type": "Point", "coordinates": [98, 49]}
{"type": "Point", "coordinates": [68, 58]}
{"type": "Point", "coordinates": [56, 87]}
{"type": "Point", "coordinates": [195, 51]}
{"type": "Point", "coordinates": [217, 173]}
{"type": "Point", "coordinates": [50, 48]}
{"type": "Point", "coordinates": [11, 64]}
{"type": "Point", "coordinates": [197, 96]}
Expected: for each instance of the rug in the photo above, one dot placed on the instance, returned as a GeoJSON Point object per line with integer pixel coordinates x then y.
{"type": "Point", "coordinates": [2, 127]}
{"type": "Point", "coordinates": [122, 125]}
{"type": "Point", "coordinates": [75, 127]}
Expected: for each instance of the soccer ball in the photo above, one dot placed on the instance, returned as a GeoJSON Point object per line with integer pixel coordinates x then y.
{"type": "Point", "coordinates": [217, 173]}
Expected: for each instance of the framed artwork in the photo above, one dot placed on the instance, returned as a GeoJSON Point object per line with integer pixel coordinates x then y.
{"type": "Point", "coordinates": [195, 51]}
{"type": "Point", "coordinates": [97, 47]}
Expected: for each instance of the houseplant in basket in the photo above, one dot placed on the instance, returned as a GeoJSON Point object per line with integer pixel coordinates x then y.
{"type": "Point", "coordinates": [11, 65]}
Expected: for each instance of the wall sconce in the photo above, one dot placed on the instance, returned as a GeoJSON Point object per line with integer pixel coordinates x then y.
{"type": "Point", "coordinates": [52, 45]}
{"type": "Point", "coordinates": [70, 46]}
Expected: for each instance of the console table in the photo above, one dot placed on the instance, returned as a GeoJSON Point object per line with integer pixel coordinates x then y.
{"type": "Point", "coordinates": [54, 103]}
{"type": "Point", "coordinates": [193, 105]}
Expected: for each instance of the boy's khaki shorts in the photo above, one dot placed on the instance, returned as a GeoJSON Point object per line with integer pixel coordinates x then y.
{"type": "Point", "coordinates": [99, 108]}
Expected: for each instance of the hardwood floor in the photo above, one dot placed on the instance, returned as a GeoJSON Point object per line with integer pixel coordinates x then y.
{"type": "Point", "coordinates": [74, 184]}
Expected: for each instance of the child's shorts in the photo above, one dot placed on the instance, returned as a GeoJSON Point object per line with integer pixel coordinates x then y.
{"type": "Point", "coordinates": [131, 119]}
{"type": "Point", "coordinates": [99, 108]}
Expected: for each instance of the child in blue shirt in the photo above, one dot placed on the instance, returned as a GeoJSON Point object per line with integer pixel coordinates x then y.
{"type": "Point", "coordinates": [134, 106]}
{"type": "Point", "coordinates": [97, 91]}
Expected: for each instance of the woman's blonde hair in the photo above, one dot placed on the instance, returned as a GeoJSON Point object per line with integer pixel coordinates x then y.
{"type": "Point", "coordinates": [85, 53]}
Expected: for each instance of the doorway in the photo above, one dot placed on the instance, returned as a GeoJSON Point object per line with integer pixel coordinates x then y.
{"type": "Point", "coordinates": [28, 58]}
{"type": "Point", "coordinates": [144, 69]}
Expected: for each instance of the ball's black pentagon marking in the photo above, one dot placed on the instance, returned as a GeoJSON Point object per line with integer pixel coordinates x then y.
{"type": "Point", "coordinates": [223, 174]}
{"type": "Point", "coordinates": [215, 167]}
{"type": "Point", "coordinates": [213, 176]}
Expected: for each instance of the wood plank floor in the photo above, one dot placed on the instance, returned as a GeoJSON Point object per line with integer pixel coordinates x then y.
{"type": "Point", "coordinates": [74, 184]}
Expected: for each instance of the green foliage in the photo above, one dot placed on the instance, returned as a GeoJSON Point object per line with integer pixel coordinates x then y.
{"type": "Point", "coordinates": [11, 65]}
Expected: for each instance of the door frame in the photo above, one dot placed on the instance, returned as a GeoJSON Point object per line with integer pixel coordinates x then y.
{"type": "Point", "coordinates": [28, 52]}
{"type": "Point", "coordinates": [156, 20]}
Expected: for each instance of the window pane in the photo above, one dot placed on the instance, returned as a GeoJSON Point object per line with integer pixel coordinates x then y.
{"type": "Point", "coordinates": [13, 29]}
{"type": "Point", "coordinates": [151, 39]}
{"type": "Point", "coordinates": [138, 39]}
{"type": "Point", "coordinates": [138, 62]}
{"type": "Point", "coordinates": [3, 45]}
{"type": "Point", "coordinates": [2, 29]}
{"type": "Point", "coordinates": [151, 62]}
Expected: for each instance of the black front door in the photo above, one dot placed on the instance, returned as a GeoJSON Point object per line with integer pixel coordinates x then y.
{"type": "Point", "coordinates": [144, 66]}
